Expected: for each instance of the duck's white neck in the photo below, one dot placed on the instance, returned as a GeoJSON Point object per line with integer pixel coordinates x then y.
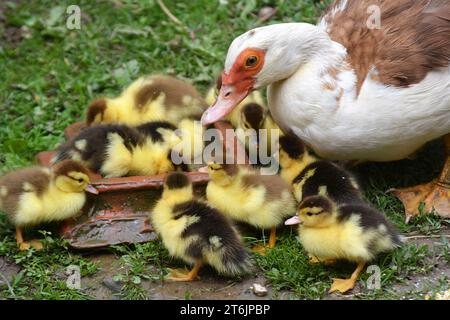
{"type": "Point", "coordinates": [290, 47]}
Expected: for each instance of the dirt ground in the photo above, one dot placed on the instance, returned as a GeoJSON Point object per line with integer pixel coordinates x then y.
{"type": "Point", "coordinates": [102, 286]}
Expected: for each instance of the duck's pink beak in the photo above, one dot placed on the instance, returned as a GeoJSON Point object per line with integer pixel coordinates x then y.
{"type": "Point", "coordinates": [229, 97]}
{"type": "Point", "coordinates": [292, 221]}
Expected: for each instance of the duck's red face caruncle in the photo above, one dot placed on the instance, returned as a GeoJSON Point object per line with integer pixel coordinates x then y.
{"type": "Point", "coordinates": [236, 84]}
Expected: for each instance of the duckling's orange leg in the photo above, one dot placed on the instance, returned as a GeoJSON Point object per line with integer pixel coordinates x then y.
{"type": "Point", "coordinates": [272, 240]}
{"type": "Point", "coordinates": [435, 194]}
{"type": "Point", "coordinates": [26, 245]}
{"type": "Point", "coordinates": [19, 239]}
{"type": "Point", "coordinates": [184, 275]}
{"type": "Point", "coordinates": [344, 285]}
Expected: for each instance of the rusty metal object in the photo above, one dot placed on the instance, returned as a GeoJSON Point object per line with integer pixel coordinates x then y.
{"type": "Point", "coordinates": [74, 129]}
{"type": "Point", "coordinates": [119, 213]}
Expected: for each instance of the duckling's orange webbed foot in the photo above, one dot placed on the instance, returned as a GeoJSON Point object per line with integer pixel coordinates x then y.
{"type": "Point", "coordinates": [315, 260]}
{"type": "Point", "coordinates": [262, 250]}
{"type": "Point", "coordinates": [344, 285]}
{"type": "Point", "coordinates": [435, 194]}
{"type": "Point", "coordinates": [23, 245]}
{"type": "Point", "coordinates": [183, 274]}
{"type": "Point", "coordinates": [36, 244]}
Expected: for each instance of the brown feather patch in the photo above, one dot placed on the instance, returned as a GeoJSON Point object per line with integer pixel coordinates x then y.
{"type": "Point", "coordinates": [414, 38]}
{"type": "Point", "coordinates": [98, 106]}
{"type": "Point", "coordinates": [64, 167]}
{"type": "Point", "coordinates": [275, 186]}
{"type": "Point", "coordinates": [36, 177]}
{"type": "Point", "coordinates": [173, 89]}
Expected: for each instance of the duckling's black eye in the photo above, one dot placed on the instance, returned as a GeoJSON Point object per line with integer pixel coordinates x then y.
{"type": "Point", "coordinates": [80, 180]}
{"type": "Point", "coordinates": [251, 61]}
{"type": "Point", "coordinates": [309, 214]}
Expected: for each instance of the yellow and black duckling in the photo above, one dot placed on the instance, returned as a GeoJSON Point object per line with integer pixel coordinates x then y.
{"type": "Point", "coordinates": [149, 98]}
{"type": "Point", "coordinates": [192, 133]}
{"type": "Point", "coordinates": [311, 176]}
{"type": "Point", "coordinates": [189, 133]}
{"type": "Point", "coordinates": [330, 231]}
{"type": "Point", "coordinates": [251, 113]}
{"type": "Point", "coordinates": [263, 201]}
{"type": "Point", "coordinates": [235, 117]}
{"type": "Point", "coordinates": [157, 131]}
{"type": "Point", "coordinates": [254, 116]}
{"type": "Point", "coordinates": [197, 233]}
{"type": "Point", "coordinates": [35, 195]}
{"type": "Point", "coordinates": [118, 150]}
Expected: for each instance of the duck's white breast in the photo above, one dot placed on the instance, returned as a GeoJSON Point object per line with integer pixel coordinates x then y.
{"type": "Point", "coordinates": [382, 124]}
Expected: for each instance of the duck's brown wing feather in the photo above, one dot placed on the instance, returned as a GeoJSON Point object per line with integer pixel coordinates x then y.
{"type": "Point", "coordinates": [413, 38]}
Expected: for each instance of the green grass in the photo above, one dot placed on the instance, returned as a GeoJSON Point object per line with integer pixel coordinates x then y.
{"type": "Point", "coordinates": [140, 262]}
{"type": "Point", "coordinates": [51, 74]}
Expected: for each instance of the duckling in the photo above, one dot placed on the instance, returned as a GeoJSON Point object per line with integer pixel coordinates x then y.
{"type": "Point", "coordinates": [117, 150]}
{"type": "Point", "coordinates": [156, 130]}
{"type": "Point", "coordinates": [311, 176]}
{"type": "Point", "coordinates": [197, 233]}
{"type": "Point", "coordinates": [254, 116]}
{"type": "Point", "coordinates": [235, 117]}
{"type": "Point", "coordinates": [243, 194]}
{"type": "Point", "coordinates": [189, 132]}
{"type": "Point", "coordinates": [35, 195]}
{"type": "Point", "coordinates": [149, 98]}
{"type": "Point", "coordinates": [329, 231]}
{"type": "Point", "coordinates": [251, 113]}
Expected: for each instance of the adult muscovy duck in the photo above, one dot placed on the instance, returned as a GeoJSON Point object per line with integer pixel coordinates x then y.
{"type": "Point", "coordinates": [350, 87]}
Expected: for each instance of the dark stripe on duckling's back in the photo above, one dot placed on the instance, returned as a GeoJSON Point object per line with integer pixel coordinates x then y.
{"type": "Point", "coordinates": [150, 129]}
{"type": "Point", "coordinates": [211, 223]}
{"type": "Point", "coordinates": [369, 219]}
{"type": "Point", "coordinates": [96, 137]}
{"type": "Point", "coordinates": [338, 182]}
{"type": "Point", "coordinates": [214, 231]}
{"type": "Point", "coordinates": [177, 181]}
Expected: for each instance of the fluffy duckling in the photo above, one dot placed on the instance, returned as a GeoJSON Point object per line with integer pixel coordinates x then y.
{"type": "Point", "coordinates": [189, 132]}
{"type": "Point", "coordinates": [149, 98]}
{"type": "Point", "coordinates": [118, 150]}
{"type": "Point", "coordinates": [37, 195]}
{"type": "Point", "coordinates": [243, 194]}
{"type": "Point", "coordinates": [195, 232]}
{"type": "Point", "coordinates": [251, 113]}
{"type": "Point", "coordinates": [254, 116]}
{"type": "Point", "coordinates": [236, 116]}
{"type": "Point", "coordinates": [157, 130]}
{"type": "Point", "coordinates": [354, 232]}
{"type": "Point", "coordinates": [311, 176]}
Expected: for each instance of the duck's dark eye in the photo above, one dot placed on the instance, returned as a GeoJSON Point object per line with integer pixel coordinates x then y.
{"type": "Point", "coordinates": [80, 180]}
{"type": "Point", "coordinates": [309, 214]}
{"type": "Point", "coordinates": [251, 61]}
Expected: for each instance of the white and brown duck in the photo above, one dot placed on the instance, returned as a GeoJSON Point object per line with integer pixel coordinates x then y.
{"type": "Point", "coordinates": [350, 87]}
